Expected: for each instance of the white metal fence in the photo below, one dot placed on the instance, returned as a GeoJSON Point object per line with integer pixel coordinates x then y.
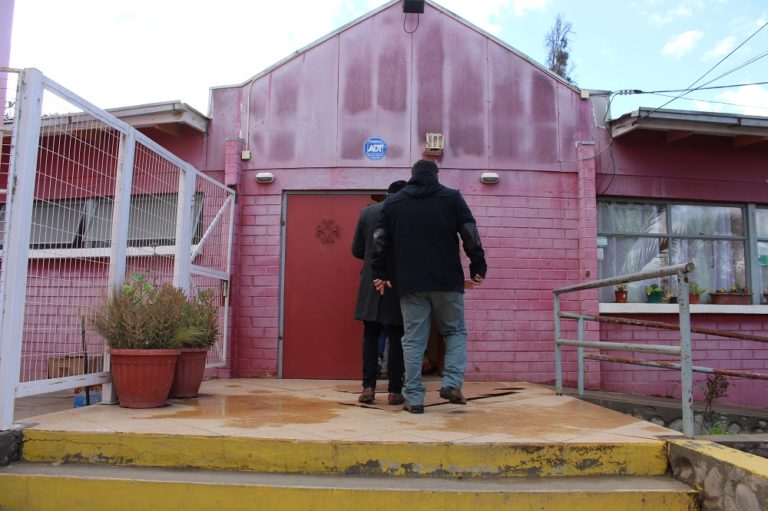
{"type": "Point", "coordinates": [86, 202]}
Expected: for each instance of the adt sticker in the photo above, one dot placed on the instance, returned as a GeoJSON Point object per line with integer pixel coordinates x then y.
{"type": "Point", "coordinates": [375, 148]}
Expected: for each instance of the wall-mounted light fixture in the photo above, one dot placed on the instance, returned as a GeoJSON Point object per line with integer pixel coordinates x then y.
{"type": "Point", "coordinates": [489, 178]}
{"type": "Point", "coordinates": [265, 177]}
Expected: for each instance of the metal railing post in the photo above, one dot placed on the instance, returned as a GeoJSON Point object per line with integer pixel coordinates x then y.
{"type": "Point", "coordinates": [558, 348]}
{"type": "Point", "coordinates": [580, 352]}
{"type": "Point", "coordinates": [686, 358]}
{"type": "Point", "coordinates": [18, 219]}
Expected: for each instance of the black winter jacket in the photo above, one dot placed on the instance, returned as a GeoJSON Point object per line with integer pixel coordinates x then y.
{"type": "Point", "coordinates": [421, 226]}
{"type": "Point", "coordinates": [370, 305]}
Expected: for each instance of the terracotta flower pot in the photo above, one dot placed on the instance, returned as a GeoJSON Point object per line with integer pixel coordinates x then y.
{"type": "Point", "coordinates": [190, 370]}
{"type": "Point", "coordinates": [621, 296]}
{"type": "Point", "coordinates": [693, 299]}
{"type": "Point", "coordinates": [143, 378]}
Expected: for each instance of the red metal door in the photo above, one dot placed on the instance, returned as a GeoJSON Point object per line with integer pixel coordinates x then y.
{"type": "Point", "coordinates": [321, 338]}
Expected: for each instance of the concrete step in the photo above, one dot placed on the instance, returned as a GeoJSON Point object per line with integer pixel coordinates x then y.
{"type": "Point", "coordinates": [65, 487]}
{"type": "Point", "coordinates": [449, 459]}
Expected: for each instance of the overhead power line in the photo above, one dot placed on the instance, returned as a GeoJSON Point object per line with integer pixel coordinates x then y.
{"type": "Point", "coordinates": [726, 103]}
{"type": "Point", "coordinates": [712, 69]}
{"type": "Point", "coordinates": [701, 88]}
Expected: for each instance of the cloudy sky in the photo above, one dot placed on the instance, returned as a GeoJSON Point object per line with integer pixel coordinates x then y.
{"type": "Point", "coordinates": [119, 53]}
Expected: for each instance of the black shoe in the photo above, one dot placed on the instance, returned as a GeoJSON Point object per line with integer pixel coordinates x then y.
{"type": "Point", "coordinates": [367, 396]}
{"type": "Point", "coordinates": [408, 407]}
{"type": "Point", "coordinates": [453, 395]}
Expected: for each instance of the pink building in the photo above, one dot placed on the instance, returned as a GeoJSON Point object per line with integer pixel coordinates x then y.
{"type": "Point", "coordinates": [665, 186]}
{"type": "Point", "coordinates": [309, 140]}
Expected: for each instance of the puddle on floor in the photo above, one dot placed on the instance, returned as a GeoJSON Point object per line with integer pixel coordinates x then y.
{"type": "Point", "coordinates": [257, 409]}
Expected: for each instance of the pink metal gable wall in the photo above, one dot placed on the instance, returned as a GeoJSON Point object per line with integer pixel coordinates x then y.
{"type": "Point", "coordinates": [306, 120]}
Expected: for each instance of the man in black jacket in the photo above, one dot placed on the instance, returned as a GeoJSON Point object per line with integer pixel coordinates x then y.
{"type": "Point", "coordinates": [420, 228]}
{"type": "Point", "coordinates": [375, 311]}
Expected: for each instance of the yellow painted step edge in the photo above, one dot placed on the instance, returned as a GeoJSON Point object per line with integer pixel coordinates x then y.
{"type": "Point", "coordinates": [310, 457]}
{"type": "Point", "coordinates": [45, 493]}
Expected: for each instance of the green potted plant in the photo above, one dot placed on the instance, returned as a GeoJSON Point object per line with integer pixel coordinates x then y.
{"type": "Point", "coordinates": [736, 295]}
{"type": "Point", "coordinates": [655, 293]}
{"type": "Point", "coordinates": [200, 315]}
{"type": "Point", "coordinates": [621, 292]}
{"type": "Point", "coordinates": [144, 328]}
{"type": "Point", "coordinates": [694, 292]}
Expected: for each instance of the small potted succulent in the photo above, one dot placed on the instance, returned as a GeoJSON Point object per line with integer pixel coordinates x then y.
{"type": "Point", "coordinates": [655, 293]}
{"type": "Point", "coordinates": [621, 292]}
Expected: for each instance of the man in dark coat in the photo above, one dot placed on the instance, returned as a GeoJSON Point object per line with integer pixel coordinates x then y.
{"type": "Point", "coordinates": [419, 230]}
{"type": "Point", "coordinates": [376, 310]}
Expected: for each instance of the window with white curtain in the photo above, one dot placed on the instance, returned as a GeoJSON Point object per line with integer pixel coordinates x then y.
{"type": "Point", "coordinates": [761, 220]}
{"type": "Point", "coordinates": [643, 236]}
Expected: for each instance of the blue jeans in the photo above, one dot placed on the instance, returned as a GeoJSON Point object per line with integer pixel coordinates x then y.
{"type": "Point", "coordinates": [447, 307]}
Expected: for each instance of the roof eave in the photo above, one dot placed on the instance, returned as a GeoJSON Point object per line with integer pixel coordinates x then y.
{"type": "Point", "coordinates": [701, 123]}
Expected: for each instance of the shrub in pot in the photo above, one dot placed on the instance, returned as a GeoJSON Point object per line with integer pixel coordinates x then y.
{"type": "Point", "coordinates": [655, 293]}
{"type": "Point", "coordinates": [144, 328]}
{"type": "Point", "coordinates": [200, 316]}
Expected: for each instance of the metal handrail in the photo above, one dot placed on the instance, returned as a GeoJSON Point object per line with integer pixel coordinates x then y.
{"type": "Point", "coordinates": [685, 366]}
{"type": "Point", "coordinates": [684, 349]}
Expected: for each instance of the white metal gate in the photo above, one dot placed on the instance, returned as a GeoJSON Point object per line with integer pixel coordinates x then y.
{"type": "Point", "coordinates": [85, 202]}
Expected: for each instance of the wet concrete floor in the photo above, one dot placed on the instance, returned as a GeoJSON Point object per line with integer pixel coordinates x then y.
{"type": "Point", "coordinates": [328, 410]}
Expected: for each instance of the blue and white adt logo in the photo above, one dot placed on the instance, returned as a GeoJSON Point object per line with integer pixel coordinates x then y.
{"type": "Point", "coordinates": [375, 148]}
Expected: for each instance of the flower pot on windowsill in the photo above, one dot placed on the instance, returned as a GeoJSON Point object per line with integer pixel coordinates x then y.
{"type": "Point", "coordinates": [694, 299]}
{"type": "Point", "coordinates": [655, 297]}
{"type": "Point", "coordinates": [731, 298]}
{"type": "Point", "coordinates": [621, 296]}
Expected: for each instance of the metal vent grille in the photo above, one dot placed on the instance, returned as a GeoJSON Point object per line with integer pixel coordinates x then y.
{"type": "Point", "coordinates": [434, 145]}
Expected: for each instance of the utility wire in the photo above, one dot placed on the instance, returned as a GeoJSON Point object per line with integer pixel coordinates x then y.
{"type": "Point", "coordinates": [713, 101]}
{"type": "Point", "coordinates": [636, 91]}
{"type": "Point", "coordinates": [750, 61]}
{"type": "Point", "coordinates": [709, 71]}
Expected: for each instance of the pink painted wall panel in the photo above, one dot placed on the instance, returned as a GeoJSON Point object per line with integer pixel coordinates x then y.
{"type": "Point", "coordinates": [225, 123]}
{"type": "Point", "coordinates": [464, 96]}
{"type": "Point", "coordinates": [705, 168]}
{"type": "Point", "coordinates": [300, 127]}
{"type": "Point", "coordinates": [375, 78]}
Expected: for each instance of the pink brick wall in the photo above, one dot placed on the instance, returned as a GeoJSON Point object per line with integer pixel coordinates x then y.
{"type": "Point", "coordinates": [708, 351]}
